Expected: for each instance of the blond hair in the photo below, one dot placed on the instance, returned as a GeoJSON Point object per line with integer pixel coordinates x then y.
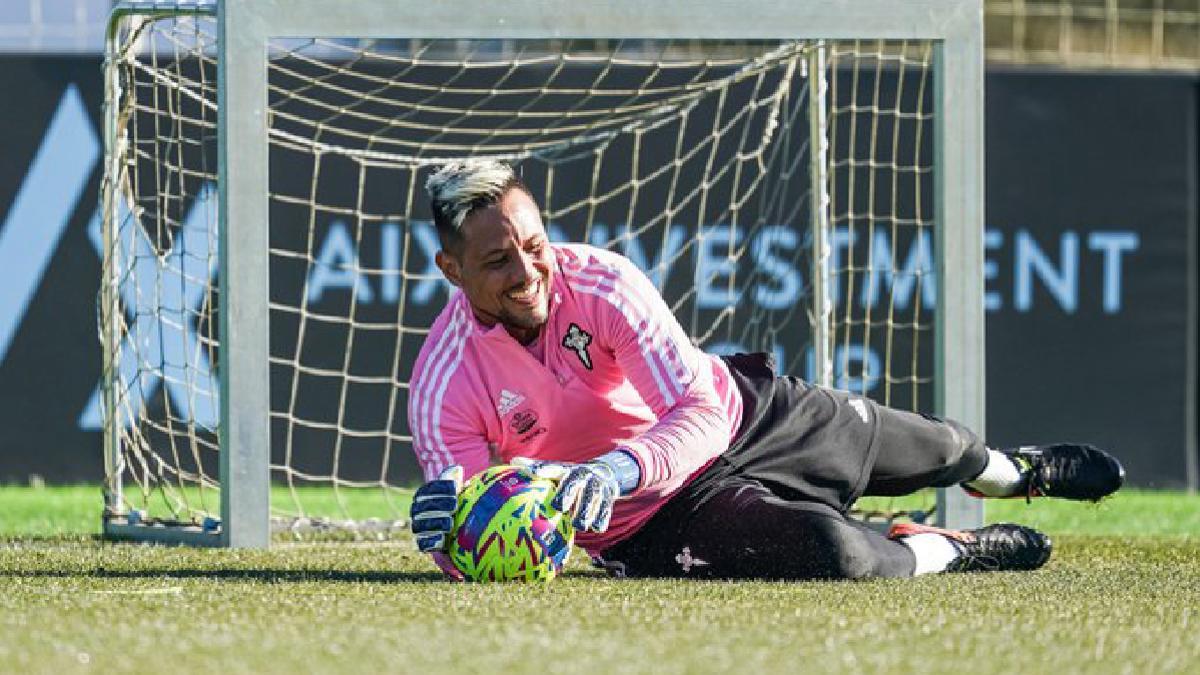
{"type": "Point", "coordinates": [460, 187]}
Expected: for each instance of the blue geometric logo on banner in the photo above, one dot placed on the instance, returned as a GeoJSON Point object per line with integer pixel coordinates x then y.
{"type": "Point", "coordinates": [43, 207]}
{"type": "Point", "coordinates": [162, 299]}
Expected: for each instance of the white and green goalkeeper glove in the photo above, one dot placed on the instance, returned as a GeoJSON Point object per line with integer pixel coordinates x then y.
{"type": "Point", "coordinates": [588, 491]}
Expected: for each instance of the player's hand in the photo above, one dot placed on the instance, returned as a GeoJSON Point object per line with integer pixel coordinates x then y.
{"type": "Point", "coordinates": [586, 492]}
{"type": "Point", "coordinates": [433, 509]}
{"type": "Point", "coordinates": [432, 517]}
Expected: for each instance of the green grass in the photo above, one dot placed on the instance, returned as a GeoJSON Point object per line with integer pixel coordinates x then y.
{"type": "Point", "coordinates": [1122, 594]}
{"type": "Point", "coordinates": [75, 510]}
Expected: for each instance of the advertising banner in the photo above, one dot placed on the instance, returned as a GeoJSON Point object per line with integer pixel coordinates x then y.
{"type": "Point", "coordinates": [1091, 211]}
{"type": "Point", "coordinates": [1090, 206]}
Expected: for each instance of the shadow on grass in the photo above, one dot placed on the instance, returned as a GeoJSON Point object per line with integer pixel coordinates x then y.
{"type": "Point", "coordinates": [160, 571]}
{"type": "Point", "coordinates": [260, 575]}
{"type": "Point", "coordinates": [22, 539]}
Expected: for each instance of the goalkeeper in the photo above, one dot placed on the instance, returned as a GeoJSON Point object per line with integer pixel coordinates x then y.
{"type": "Point", "coordinates": [671, 461]}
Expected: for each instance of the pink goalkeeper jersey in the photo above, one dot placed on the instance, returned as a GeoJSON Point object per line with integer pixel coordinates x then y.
{"type": "Point", "coordinates": [616, 369]}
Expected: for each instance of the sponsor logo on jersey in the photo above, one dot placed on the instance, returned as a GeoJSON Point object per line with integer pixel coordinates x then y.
{"type": "Point", "coordinates": [523, 421]}
{"type": "Point", "coordinates": [508, 401]}
{"type": "Point", "coordinates": [533, 434]}
{"type": "Point", "coordinates": [577, 340]}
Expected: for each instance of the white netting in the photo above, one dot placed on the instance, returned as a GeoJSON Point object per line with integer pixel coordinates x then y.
{"type": "Point", "coordinates": [691, 158]}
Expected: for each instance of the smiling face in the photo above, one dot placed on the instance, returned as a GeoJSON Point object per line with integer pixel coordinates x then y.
{"type": "Point", "coordinates": [504, 265]}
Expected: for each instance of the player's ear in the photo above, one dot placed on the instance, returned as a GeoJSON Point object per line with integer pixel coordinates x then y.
{"type": "Point", "coordinates": [450, 267]}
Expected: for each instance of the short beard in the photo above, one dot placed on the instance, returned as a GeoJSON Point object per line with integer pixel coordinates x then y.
{"type": "Point", "coordinates": [526, 323]}
{"type": "Point", "coordinates": [524, 329]}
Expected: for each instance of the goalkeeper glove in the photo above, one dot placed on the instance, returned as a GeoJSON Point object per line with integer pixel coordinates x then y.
{"type": "Point", "coordinates": [586, 492]}
{"type": "Point", "coordinates": [432, 516]}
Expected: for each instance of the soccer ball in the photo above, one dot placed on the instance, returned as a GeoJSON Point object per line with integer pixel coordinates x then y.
{"type": "Point", "coordinates": [505, 528]}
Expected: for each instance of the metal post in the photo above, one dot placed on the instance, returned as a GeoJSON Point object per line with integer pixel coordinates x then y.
{"type": "Point", "coordinates": [958, 205]}
{"type": "Point", "coordinates": [818, 151]}
{"type": "Point", "coordinates": [110, 305]}
{"type": "Point", "coordinates": [243, 255]}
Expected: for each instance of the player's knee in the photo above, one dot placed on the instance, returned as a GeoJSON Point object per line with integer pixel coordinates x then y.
{"type": "Point", "coordinates": [964, 458]}
{"type": "Point", "coordinates": [849, 555]}
{"type": "Point", "coordinates": [960, 443]}
{"type": "Point", "coordinates": [854, 564]}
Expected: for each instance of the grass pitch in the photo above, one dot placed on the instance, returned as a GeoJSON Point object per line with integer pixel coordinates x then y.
{"type": "Point", "coordinates": [1121, 594]}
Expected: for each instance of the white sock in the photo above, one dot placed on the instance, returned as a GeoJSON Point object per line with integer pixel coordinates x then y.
{"type": "Point", "coordinates": [934, 552]}
{"type": "Point", "coordinates": [1000, 478]}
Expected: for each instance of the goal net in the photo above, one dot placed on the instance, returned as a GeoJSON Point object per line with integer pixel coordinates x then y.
{"type": "Point", "coordinates": [779, 193]}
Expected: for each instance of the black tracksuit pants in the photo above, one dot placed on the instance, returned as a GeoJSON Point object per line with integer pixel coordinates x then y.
{"type": "Point", "coordinates": [775, 504]}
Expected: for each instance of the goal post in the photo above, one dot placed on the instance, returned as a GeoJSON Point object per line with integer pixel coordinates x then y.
{"type": "Point", "coordinates": [233, 319]}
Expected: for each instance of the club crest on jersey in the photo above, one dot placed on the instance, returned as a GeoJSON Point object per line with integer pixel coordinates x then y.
{"type": "Point", "coordinates": [508, 400]}
{"type": "Point", "coordinates": [577, 340]}
{"type": "Point", "coordinates": [687, 561]}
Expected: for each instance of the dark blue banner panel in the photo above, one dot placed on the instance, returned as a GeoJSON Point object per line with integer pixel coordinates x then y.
{"type": "Point", "coordinates": [1091, 193]}
{"type": "Point", "coordinates": [50, 268]}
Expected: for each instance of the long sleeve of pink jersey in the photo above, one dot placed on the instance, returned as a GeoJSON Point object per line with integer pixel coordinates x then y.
{"type": "Point", "coordinates": [671, 374]}
{"type": "Point", "coordinates": [442, 431]}
{"type": "Point", "coordinates": [449, 443]}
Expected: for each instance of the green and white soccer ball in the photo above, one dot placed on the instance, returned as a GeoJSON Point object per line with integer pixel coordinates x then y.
{"type": "Point", "coordinates": [505, 528]}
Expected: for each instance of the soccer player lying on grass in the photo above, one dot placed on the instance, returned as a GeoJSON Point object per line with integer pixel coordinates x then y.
{"type": "Point", "coordinates": [671, 461]}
